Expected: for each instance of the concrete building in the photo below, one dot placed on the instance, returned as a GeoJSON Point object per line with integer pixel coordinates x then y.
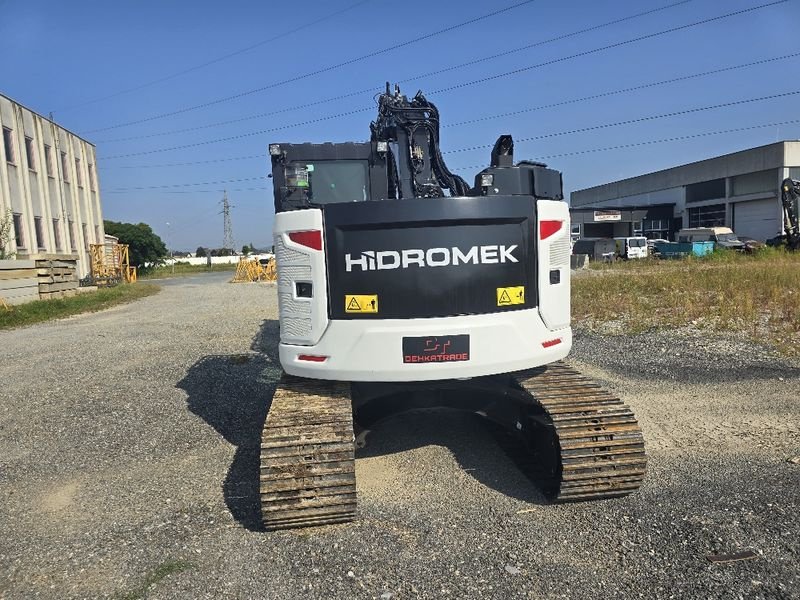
{"type": "Point", "coordinates": [48, 180]}
{"type": "Point", "coordinates": [739, 190]}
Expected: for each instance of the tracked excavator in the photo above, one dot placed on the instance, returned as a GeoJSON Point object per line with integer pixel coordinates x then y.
{"type": "Point", "coordinates": [790, 201]}
{"type": "Point", "coordinates": [401, 286]}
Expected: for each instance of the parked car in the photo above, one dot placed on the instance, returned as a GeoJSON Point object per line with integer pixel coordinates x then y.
{"type": "Point", "coordinates": [599, 249]}
{"type": "Point", "coordinates": [723, 237]}
{"type": "Point", "coordinates": [631, 247]}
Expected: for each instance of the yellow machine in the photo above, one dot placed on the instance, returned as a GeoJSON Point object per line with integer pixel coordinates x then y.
{"type": "Point", "coordinates": [255, 269]}
{"type": "Point", "coordinates": [111, 264]}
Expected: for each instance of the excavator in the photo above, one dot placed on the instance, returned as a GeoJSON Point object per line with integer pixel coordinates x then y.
{"type": "Point", "coordinates": [790, 201]}
{"type": "Point", "coordinates": [401, 286]}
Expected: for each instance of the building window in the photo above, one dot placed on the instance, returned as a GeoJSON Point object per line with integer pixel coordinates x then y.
{"type": "Point", "coordinates": [30, 153]}
{"type": "Point", "coordinates": [705, 190]}
{"type": "Point", "coordinates": [85, 237]}
{"type": "Point", "coordinates": [92, 184]}
{"type": "Point", "coordinates": [8, 142]}
{"type": "Point", "coordinates": [57, 234]}
{"type": "Point", "coordinates": [78, 174]}
{"type": "Point", "coordinates": [48, 160]}
{"type": "Point", "coordinates": [707, 216]}
{"type": "Point", "coordinates": [754, 183]}
{"type": "Point", "coordinates": [64, 165]}
{"type": "Point", "coordinates": [73, 246]}
{"type": "Point", "coordinates": [37, 222]}
{"type": "Point", "coordinates": [19, 236]}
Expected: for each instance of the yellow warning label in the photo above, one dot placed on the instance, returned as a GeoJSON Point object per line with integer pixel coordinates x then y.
{"type": "Point", "coordinates": [511, 295]}
{"type": "Point", "coordinates": [355, 303]}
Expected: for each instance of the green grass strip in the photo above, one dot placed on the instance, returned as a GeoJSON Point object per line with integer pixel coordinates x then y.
{"type": "Point", "coordinates": [38, 311]}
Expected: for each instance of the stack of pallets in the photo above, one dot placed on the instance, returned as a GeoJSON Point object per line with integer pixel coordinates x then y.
{"type": "Point", "coordinates": [18, 281]}
{"type": "Point", "coordinates": [57, 278]}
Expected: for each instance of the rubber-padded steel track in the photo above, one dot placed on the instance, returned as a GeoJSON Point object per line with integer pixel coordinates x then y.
{"type": "Point", "coordinates": [599, 443]}
{"type": "Point", "coordinates": [308, 455]}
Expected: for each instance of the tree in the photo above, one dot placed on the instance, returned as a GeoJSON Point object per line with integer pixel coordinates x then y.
{"type": "Point", "coordinates": [144, 246]}
{"type": "Point", "coordinates": [247, 249]}
{"type": "Point", "coordinates": [6, 232]}
{"type": "Point", "coordinates": [200, 252]}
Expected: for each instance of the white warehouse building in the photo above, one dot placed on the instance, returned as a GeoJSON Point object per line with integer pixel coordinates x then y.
{"type": "Point", "coordinates": [740, 190]}
{"type": "Point", "coordinates": [48, 183]}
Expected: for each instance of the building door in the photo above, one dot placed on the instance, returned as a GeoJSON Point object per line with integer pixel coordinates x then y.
{"type": "Point", "coordinates": [759, 219]}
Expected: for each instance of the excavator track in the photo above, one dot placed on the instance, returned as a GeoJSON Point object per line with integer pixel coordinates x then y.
{"type": "Point", "coordinates": [308, 455]}
{"type": "Point", "coordinates": [598, 445]}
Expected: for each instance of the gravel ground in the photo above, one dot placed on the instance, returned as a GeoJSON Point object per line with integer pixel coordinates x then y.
{"type": "Point", "coordinates": [128, 469]}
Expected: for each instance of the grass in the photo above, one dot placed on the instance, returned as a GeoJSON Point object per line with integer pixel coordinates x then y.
{"type": "Point", "coordinates": [47, 310]}
{"type": "Point", "coordinates": [756, 294]}
{"type": "Point", "coordinates": [161, 572]}
{"type": "Point", "coordinates": [183, 270]}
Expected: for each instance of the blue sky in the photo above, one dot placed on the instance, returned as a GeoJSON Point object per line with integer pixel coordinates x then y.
{"type": "Point", "coordinates": [93, 64]}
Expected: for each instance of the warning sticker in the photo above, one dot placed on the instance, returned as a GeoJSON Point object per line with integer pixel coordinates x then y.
{"type": "Point", "coordinates": [355, 303]}
{"type": "Point", "coordinates": [507, 296]}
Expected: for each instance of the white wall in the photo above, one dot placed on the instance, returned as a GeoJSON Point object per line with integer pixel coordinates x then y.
{"type": "Point", "coordinates": [56, 195]}
{"type": "Point", "coordinates": [216, 260]}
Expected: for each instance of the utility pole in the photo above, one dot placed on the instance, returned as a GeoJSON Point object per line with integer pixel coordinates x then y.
{"type": "Point", "coordinates": [227, 239]}
{"type": "Point", "coordinates": [172, 251]}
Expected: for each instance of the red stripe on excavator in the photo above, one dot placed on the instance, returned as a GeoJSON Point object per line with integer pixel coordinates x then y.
{"type": "Point", "coordinates": [312, 358]}
{"type": "Point", "coordinates": [548, 228]}
{"type": "Point", "coordinates": [550, 343]}
{"type": "Point", "coordinates": [309, 239]}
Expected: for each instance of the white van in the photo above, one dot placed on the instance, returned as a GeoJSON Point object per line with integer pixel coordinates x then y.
{"type": "Point", "coordinates": [631, 247]}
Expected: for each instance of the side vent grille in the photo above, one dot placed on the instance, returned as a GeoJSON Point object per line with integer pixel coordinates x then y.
{"type": "Point", "coordinates": [295, 317]}
{"type": "Point", "coordinates": [559, 252]}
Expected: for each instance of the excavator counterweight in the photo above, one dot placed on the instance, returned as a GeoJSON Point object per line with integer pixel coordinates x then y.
{"type": "Point", "coordinates": [401, 286]}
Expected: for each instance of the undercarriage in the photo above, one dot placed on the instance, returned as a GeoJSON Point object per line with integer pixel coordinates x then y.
{"type": "Point", "coordinates": [585, 442]}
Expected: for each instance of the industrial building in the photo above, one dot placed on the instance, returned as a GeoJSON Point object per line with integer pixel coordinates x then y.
{"type": "Point", "coordinates": [739, 190]}
{"type": "Point", "coordinates": [48, 182]}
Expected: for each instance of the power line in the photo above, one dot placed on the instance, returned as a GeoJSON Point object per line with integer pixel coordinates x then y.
{"type": "Point", "coordinates": [242, 135]}
{"type": "Point", "coordinates": [173, 185]}
{"type": "Point", "coordinates": [319, 71]}
{"type": "Point", "coordinates": [185, 164]}
{"type": "Point", "coordinates": [213, 61]}
{"type": "Point", "coordinates": [602, 149]}
{"type": "Point", "coordinates": [671, 139]}
{"type": "Point", "coordinates": [536, 137]}
{"type": "Point", "coordinates": [633, 121]}
{"type": "Point", "coordinates": [406, 80]}
{"type": "Point", "coordinates": [640, 38]}
{"type": "Point", "coordinates": [622, 90]}
{"type": "Point", "coordinates": [648, 142]}
{"type": "Point", "coordinates": [458, 86]}
{"type": "Point", "coordinates": [521, 111]}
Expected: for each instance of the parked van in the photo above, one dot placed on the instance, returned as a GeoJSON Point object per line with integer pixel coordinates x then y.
{"type": "Point", "coordinates": [600, 249]}
{"type": "Point", "coordinates": [631, 247]}
{"type": "Point", "coordinates": [723, 237]}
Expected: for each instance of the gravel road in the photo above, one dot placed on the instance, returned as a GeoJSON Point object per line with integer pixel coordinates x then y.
{"type": "Point", "coordinates": [128, 469]}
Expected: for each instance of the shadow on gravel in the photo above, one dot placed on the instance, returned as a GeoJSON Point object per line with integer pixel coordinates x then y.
{"type": "Point", "coordinates": [482, 449]}
{"type": "Point", "coordinates": [232, 393]}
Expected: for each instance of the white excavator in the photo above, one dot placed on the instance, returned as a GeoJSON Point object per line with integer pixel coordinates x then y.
{"type": "Point", "coordinates": [401, 286]}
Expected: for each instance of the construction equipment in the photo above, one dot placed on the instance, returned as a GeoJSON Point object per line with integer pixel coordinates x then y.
{"type": "Point", "coordinates": [255, 269]}
{"type": "Point", "coordinates": [401, 286]}
{"type": "Point", "coordinates": [790, 201]}
{"type": "Point", "coordinates": [111, 263]}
